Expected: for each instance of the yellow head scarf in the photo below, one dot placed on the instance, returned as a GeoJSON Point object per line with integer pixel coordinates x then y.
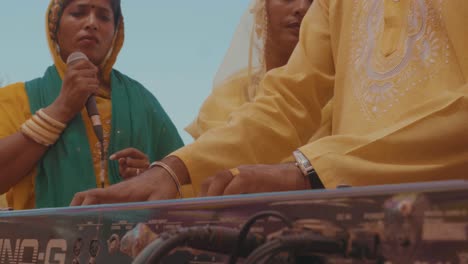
{"type": "Point", "coordinates": [53, 15]}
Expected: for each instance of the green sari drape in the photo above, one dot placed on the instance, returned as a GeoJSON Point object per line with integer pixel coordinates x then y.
{"type": "Point", "coordinates": [138, 121]}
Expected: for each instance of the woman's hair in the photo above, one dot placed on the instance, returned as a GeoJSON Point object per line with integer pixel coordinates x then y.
{"type": "Point", "coordinates": [115, 5]}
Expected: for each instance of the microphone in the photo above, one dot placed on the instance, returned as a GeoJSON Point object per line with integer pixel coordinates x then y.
{"type": "Point", "coordinates": [93, 113]}
{"type": "Point", "coordinates": [91, 106]}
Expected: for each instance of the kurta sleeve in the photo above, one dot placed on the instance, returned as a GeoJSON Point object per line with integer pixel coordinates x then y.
{"type": "Point", "coordinates": [282, 118]}
{"type": "Point", "coordinates": [225, 99]}
{"type": "Point", "coordinates": [428, 143]}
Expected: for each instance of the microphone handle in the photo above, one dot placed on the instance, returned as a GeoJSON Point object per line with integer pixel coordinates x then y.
{"type": "Point", "coordinates": [93, 114]}
{"type": "Point", "coordinates": [91, 106]}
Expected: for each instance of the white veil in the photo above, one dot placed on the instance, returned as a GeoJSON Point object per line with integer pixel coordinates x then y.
{"type": "Point", "coordinates": [240, 72]}
{"type": "Point", "coordinates": [246, 52]}
{"type": "Point", "coordinates": [246, 58]}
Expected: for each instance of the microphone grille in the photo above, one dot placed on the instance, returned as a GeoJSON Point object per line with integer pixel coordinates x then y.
{"type": "Point", "coordinates": [75, 56]}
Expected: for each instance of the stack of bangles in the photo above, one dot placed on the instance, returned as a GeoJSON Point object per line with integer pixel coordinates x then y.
{"type": "Point", "coordinates": [171, 172]}
{"type": "Point", "coordinates": [42, 128]}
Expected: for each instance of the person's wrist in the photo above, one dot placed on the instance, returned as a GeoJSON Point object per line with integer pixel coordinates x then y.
{"type": "Point", "coordinates": [158, 176]}
{"type": "Point", "coordinates": [59, 111]}
{"type": "Point", "coordinates": [174, 170]}
{"type": "Point", "coordinates": [302, 181]}
{"type": "Point", "coordinates": [179, 168]}
{"type": "Point", "coordinates": [171, 173]}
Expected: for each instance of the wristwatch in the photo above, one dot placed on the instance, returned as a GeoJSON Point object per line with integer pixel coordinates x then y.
{"type": "Point", "coordinates": [307, 170]}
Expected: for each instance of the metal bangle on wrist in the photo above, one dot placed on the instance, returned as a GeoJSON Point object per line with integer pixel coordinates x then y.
{"type": "Point", "coordinates": [171, 173]}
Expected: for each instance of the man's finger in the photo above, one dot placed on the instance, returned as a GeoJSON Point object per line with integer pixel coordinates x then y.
{"type": "Point", "coordinates": [90, 200]}
{"type": "Point", "coordinates": [94, 196]}
{"type": "Point", "coordinates": [219, 183]}
{"type": "Point", "coordinates": [78, 199]}
{"type": "Point", "coordinates": [236, 186]}
{"type": "Point", "coordinates": [205, 185]}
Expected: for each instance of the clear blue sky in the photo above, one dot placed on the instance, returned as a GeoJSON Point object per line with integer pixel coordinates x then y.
{"type": "Point", "coordinates": [172, 47]}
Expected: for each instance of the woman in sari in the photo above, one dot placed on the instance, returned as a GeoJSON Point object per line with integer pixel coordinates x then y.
{"type": "Point", "coordinates": [50, 151]}
{"type": "Point", "coordinates": [265, 38]}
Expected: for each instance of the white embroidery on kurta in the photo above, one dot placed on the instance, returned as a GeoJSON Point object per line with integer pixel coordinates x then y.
{"type": "Point", "coordinates": [379, 81]}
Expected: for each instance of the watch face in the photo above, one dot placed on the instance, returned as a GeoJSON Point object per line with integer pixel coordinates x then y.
{"type": "Point", "coordinates": [302, 161]}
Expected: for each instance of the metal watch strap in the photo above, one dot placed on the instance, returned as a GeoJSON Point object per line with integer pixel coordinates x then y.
{"type": "Point", "coordinates": [304, 165]}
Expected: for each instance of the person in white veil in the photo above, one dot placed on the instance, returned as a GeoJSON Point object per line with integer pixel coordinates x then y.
{"type": "Point", "coordinates": [264, 39]}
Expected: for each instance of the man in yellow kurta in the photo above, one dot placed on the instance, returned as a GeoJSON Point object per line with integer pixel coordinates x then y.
{"type": "Point", "coordinates": [396, 71]}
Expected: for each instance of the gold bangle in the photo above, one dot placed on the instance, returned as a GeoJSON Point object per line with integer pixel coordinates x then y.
{"type": "Point", "coordinates": [51, 137]}
{"type": "Point", "coordinates": [33, 136]}
{"type": "Point", "coordinates": [50, 120]}
{"type": "Point", "coordinates": [38, 120]}
{"type": "Point", "coordinates": [171, 172]}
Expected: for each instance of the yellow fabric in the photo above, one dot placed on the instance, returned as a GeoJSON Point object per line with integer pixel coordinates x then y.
{"type": "Point", "coordinates": [228, 98]}
{"type": "Point", "coordinates": [3, 201]}
{"type": "Point", "coordinates": [215, 111]}
{"type": "Point", "coordinates": [223, 100]}
{"type": "Point", "coordinates": [14, 111]}
{"type": "Point", "coordinates": [398, 116]}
